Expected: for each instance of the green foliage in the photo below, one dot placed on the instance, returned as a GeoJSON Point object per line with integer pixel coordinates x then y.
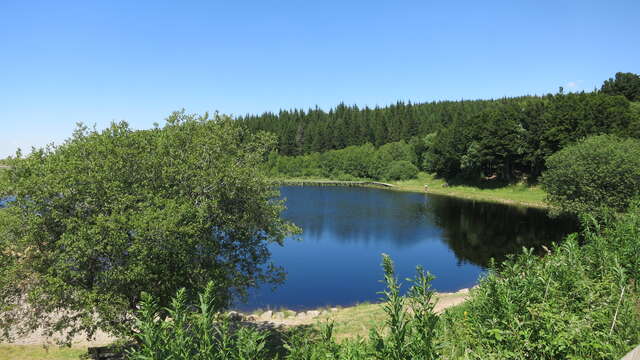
{"type": "Point", "coordinates": [302, 132]}
{"type": "Point", "coordinates": [507, 139]}
{"type": "Point", "coordinates": [350, 163]}
{"type": "Point", "coordinates": [410, 321]}
{"type": "Point", "coordinates": [109, 215]}
{"type": "Point", "coordinates": [577, 302]}
{"type": "Point", "coordinates": [625, 84]}
{"type": "Point", "coordinates": [401, 170]}
{"type": "Point", "coordinates": [205, 334]}
{"type": "Point", "coordinates": [510, 140]}
{"type": "Point", "coordinates": [598, 172]}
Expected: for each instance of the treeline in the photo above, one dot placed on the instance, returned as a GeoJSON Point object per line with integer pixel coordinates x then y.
{"type": "Point", "coordinates": [315, 130]}
{"type": "Point", "coordinates": [512, 140]}
{"type": "Point", "coordinates": [506, 139]}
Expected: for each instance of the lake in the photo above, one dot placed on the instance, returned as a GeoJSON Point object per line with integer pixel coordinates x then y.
{"type": "Point", "coordinates": [346, 229]}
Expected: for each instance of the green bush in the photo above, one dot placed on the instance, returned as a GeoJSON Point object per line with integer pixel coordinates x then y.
{"type": "Point", "coordinates": [401, 170]}
{"type": "Point", "coordinates": [576, 302]}
{"type": "Point", "coordinates": [599, 172]}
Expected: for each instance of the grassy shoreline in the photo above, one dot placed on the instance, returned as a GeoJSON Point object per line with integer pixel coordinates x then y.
{"type": "Point", "coordinates": [517, 194]}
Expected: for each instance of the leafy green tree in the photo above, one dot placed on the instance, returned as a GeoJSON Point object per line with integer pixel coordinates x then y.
{"type": "Point", "coordinates": [109, 215]}
{"type": "Point", "coordinates": [401, 170]}
{"type": "Point", "coordinates": [389, 153]}
{"type": "Point", "coordinates": [599, 172]}
{"type": "Point", "coordinates": [625, 84]}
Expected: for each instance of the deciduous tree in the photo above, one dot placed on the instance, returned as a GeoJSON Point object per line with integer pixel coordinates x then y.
{"type": "Point", "coordinates": [111, 214]}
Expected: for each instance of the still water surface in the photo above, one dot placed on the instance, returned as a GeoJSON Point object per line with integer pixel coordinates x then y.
{"type": "Point", "coordinates": [346, 229]}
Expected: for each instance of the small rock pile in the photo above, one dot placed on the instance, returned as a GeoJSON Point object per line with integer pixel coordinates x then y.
{"type": "Point", "coordinates": [287, 317]}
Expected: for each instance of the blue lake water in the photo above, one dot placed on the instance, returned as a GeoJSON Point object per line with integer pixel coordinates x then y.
{"type": "Point", "coordinates": [346, 229]}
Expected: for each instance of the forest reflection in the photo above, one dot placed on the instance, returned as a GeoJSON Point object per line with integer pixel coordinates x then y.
{"type": "Point", "coordinates": [475, 231]}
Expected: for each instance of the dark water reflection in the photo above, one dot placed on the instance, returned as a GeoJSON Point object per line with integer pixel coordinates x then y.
{"type": "Point", "coordinates": [346, 230]}
{"type": "Point", "coordinates": [477, 231]}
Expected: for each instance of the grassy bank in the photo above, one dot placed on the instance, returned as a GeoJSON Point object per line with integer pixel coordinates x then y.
{"type": "Point", "coordinates": [38, 352]}
{"type": "Point", "coordinates": [356, 321]}
{"type": "Point", "coordinates": [516, 194]}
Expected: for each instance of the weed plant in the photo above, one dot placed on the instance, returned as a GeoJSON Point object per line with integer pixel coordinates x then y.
{"type": "Point", "coordinates": [204, 334]}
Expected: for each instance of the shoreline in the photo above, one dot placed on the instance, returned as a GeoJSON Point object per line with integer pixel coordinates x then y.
{"type": "Point", "coordinates": [436, 187]}
{"type": "Point", "coordinates": [347, 318]}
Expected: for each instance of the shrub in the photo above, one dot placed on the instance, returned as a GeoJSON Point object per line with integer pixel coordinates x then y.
{"type": "Point", "coordinates": [599, 172]}
{"type": "Point", "coordinates": [401, 170]}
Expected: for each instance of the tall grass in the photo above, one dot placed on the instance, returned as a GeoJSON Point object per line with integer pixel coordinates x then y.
{"type": "Point", "coordinates": [203, 334]}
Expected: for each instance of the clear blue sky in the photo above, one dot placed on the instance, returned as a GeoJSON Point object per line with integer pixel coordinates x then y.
{"type": "Point", "coordinates": [96, 61]}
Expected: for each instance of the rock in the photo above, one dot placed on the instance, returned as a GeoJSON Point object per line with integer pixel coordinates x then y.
{"type": "Point", "coordinates": [334, 309]}
{"type": "Point", "coordinates": [324, 312]}
{"type": "Point", "coordinates": [278, 316]}
{"type": "Point", "coordinates": [313, 313]}
{"type": "Point", "coordinates": [463, 291]}
{"type": "Point", "coordinates": [266, 316]}
{"type": "Point", "coordinates": [235, 316]}
{"type": "Point", "coordinates": [301, 315]}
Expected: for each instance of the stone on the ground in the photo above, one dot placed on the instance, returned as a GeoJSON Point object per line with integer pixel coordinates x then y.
{"type": "Point", "coordinates": [266, 316]}
{"type": "Point", "coordinates": [235, 316]}
{"type": "Point", "coordinates": [313, 313]}
{"type": "Point", "coordinates": [463, 291]}
{"type": "Point", "coordinates": [278, 316]}
{"type": "Point", "coordinates": [334, 309]}
{"type": "Point", "coordinates": [301, 315]}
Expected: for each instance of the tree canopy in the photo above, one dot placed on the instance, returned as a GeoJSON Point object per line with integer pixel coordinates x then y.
{"type": "Point", "coordinates": [506, 139]}
{"type": "Point", "coordinates": [510, 140]}
{"type": "Point", "coordinates": [625, 84]}
{"type": "Point", "coordinates": [111, 214]}
{"type": "Point", "coordinates": [599, 172]}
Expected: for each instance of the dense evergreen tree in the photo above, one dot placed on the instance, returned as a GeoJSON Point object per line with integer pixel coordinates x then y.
{"type": "Point", "coordinates": [625, 84]}
{"type": "Point", "coordinates": [302, 132]}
